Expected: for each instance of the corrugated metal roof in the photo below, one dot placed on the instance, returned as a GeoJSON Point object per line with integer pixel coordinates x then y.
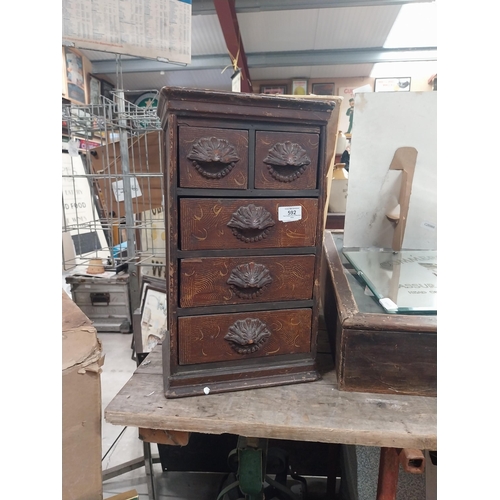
{"type": "Point", "coordinates": [324, 42]}
{"type": "Point", "coordinates": [206, 36]}
{"type": "Point", "coordinates": [317, 29]}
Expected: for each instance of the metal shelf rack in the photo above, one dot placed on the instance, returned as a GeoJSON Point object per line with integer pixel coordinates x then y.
{"type": "Point", "coordinates": [112, 188]}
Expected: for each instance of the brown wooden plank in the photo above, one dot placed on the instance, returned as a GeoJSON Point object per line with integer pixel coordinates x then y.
{"type": "Point", "coordinates": [344, 298]}
{"type": "Point", "coordinates": [313, 411]}
{"type": "Point", "coordinates": [393, 322]}
{"type": "Point", "coordinates": [389, 362]}
{"type": "Point", "coordinates": [226, 280]}
{"type": "Point", "coordinates": [204, 224]}
{"type": "Point", "coordinates": [171, 229]}
{"type": "Point", "coordinates": [205, 338]}
{"type": "Point", "coordinates": [173, 438]}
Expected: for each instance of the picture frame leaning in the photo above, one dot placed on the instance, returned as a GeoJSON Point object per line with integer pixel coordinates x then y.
{"type": "Point", "coordinates": [153, 315]}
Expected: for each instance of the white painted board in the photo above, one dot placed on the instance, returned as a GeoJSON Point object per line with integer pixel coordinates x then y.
{"type": "Point", "coordinates": [80, 217]}
{"type": "Point", "coordinates": [384, 122]}
{"type": "Point", "coordinates": [143, 28]}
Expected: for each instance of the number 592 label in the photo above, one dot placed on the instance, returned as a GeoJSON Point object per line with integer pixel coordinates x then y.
{"type": "Point", "coordinates": [289, 214]}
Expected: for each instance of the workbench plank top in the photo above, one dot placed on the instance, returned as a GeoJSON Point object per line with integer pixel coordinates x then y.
{"type": "Point", "coordinates": [312, 411]}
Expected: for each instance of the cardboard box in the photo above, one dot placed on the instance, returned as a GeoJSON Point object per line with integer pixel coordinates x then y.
{"type": "Point", "coordinates": [82, 359]}
{"type": "Point", "coordinates": [145, 167]}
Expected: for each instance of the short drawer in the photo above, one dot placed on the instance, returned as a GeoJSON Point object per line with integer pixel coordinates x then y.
{"type": "Point", "coordinates": [213, 158]}
{"type": "Point", "coordinates": [227, 337]}
{"type": "Point", "coordinates": [210, 224]}
{"type": "Point", "coordinates": [285, 160]}
{"type": "Point", "coordinates": [242, 280]}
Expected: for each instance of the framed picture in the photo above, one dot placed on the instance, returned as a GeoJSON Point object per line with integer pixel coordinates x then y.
{"type": "Point", "coordinates": [95, 90]}
{"type": "Point", "coordinates": [392, 84]}
{"type": "Point", "coordinates": [299, 87]}
{"type": "Point", "coordinates": [153, 316]}
{"type": "Point", "coordinates": [323, 88]}
{"type": "Point", "coordinates": [150, 282]}
{"type": "Point", "coordinates": [273, 89]}
{"type": "Point", "coordinates": [107, 89]}
{"type": "Point", "coordinates": [75, 76]}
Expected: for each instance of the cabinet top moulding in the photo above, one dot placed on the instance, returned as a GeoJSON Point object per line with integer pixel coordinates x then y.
{"type": "Point", "coordinates": [242, 106]}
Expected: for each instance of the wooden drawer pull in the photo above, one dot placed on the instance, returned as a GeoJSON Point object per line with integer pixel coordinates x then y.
{"type": "Point", "coordinates": [251, 223]}
{"type": "Point", "coordinates": [248, 281]}
{"type": "Point", "coordinates": [247, 335]}
{"type": "Point", "coordinates": [213, 158]}
{"type": "Point", "coordinates": [286, 161]}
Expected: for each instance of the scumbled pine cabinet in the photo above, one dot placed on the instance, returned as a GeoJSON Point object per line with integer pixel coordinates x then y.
{"type": "Point", "coordinates": [245, 198]}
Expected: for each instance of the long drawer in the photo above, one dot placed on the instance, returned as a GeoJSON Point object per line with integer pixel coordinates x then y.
{"type": "Point", "coordinates": [210, 224]}
{"type": "Point", "coordinates": [227, 337]}
{"type": "Point", "coordinates": [243, 280]}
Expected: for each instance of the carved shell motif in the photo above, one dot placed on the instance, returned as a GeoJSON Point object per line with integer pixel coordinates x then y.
{"type": "Point", "coordinates": [247, 335]}
{"type": "Point", "coordinates": [249, 280]}
{"type": "Point", "coordinates": [289, 157]}
{"type": "Point", "coordinates": [251, 223]}
{"type": "Point", "coordinates": [213, 158]}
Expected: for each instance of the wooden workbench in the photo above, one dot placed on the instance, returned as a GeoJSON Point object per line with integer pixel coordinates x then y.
{"type": "Point", "coordinates": [312, 411]}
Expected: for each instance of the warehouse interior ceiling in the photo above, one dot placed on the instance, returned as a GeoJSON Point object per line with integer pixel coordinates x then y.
{"type": "Point", "coordinates": [278, 40]}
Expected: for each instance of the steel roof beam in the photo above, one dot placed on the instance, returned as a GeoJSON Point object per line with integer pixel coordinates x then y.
{"type": "Point", "coordinates": [276, 59]}
{"type": "Point", "coordinates": [226, 13]}
{"type": "Point", "coordinates": [206, 7]}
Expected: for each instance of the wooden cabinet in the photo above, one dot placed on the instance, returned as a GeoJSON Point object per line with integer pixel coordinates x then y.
{"type": "Point", "coordinates": [245, 208]}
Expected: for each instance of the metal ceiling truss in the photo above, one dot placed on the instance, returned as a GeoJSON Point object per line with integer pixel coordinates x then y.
{"type": "Point", "coordinates": [226, 13]}
{"type": "Point", "coordinates": [276, 59]}
{"type": "Point", "coordinates": [206, 7]}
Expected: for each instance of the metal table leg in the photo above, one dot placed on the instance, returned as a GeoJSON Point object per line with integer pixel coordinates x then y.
{"type": "Point", "coordinates": [412, 461]}
{"type": "Point", "coordinates": [148, 463]}
{"type": "Point", "coordinates": [388, 474]}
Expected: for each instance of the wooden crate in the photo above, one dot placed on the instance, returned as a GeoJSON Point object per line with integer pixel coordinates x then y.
{"type": "Point", "coordinates": [374, 351]}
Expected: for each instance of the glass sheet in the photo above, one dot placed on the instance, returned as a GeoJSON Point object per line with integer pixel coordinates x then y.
{"type": "Point", "coordinates": [402, 282]}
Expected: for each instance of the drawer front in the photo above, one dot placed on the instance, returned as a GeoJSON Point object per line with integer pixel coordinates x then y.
{"type": "Point", "coordinates": [243, 280]}
{"type": "Point", "coordinates": [228, 337]}
{"type": "Point", "coordinates": [211, 224]}
{"type": "Point", "coordinates": [213, 158]}
{"type": "Point", "coordinates": [286, 160]}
